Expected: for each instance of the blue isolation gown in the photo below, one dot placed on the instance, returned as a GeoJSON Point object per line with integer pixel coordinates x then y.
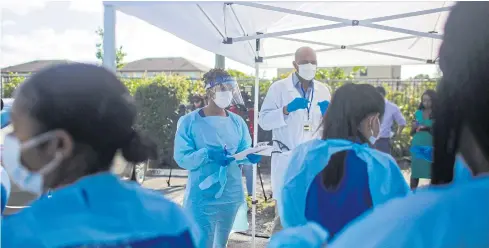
{"type": "Point", "coordinates": [213, 193]}
{"type": "Point", "coordinates": [4, 188]}
{"type": "Point", "coordinates": [5, 117]}
{"type": "Point", "coordinates": [450, 216]}
{"type": "Point", "coordinates": [100, 211]}
{"type": "Point", "coordinates": [371, 178]}
{"type": "Point", "coordinates": [310, 235]}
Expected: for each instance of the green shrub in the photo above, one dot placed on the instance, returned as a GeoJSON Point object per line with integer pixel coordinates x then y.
{"type": "Point", "coordinates": [157, 100]}
{"type": "Point", "coordinates": [10, 83]}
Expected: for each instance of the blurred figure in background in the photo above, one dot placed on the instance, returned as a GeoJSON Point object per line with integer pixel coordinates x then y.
{"type": "Point", "coordinates": [197, 102]}
{"type": "Point", "coordinates": [69, 121]}
{"type": "Point", "coordinates": [422, 136]}
{"type": "Point", "coordinates": [392, 114]}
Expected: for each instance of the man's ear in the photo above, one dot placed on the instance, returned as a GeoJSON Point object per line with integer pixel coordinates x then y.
{"type": "Point", "coordinates": [296, 67]}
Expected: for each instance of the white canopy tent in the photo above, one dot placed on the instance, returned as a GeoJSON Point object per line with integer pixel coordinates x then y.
{"type": "Point", "coordinates": [266, 34]}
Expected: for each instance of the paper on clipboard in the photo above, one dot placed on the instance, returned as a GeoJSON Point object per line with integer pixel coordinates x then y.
{"type": "Point", "coordinates": [264, 150]}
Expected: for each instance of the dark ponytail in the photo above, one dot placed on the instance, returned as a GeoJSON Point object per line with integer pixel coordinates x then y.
{"type": "Point", "coordinates": [93, 106]}
{"type": "Point", "coordinates": [139, 148]}
{"type": "Point", "coordinates": [351, 104]}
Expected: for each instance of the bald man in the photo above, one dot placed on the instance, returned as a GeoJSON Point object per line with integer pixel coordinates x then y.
{"type": "Point", "coordinates": [293, 109]}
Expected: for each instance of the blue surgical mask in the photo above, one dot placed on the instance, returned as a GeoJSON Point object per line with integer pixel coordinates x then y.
{"type": "Point", "coordinates": [27, 180]}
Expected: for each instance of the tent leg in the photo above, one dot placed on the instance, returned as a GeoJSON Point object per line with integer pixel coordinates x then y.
{"type": "Point", "coordinates": [109, 38]}
{"type": "Point", "coordinates": [255, 142]}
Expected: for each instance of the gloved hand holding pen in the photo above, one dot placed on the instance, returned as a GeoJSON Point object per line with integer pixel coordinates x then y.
{"type": "Point", "coordinates": [296, 104]}
{"type": "Point", "coordinates": [220, 157]}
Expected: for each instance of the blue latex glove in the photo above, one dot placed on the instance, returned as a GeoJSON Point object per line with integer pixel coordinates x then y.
{"type": "Point", "coordinates": [323, 106]}
{"type": "Point", "coordinates": [221, 157]}
{"type": "Point", "coordinates": [297, 103]}
{"type": "Point", "coordinates": [254, 158]}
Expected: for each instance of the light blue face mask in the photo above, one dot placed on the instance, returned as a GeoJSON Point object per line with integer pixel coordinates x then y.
{"type": "Point", "coordinates": [372, 139]}
{"type": "Point", "coordinates": [27, 180]}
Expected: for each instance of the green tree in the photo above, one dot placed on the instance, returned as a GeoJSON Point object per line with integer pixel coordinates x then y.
{"type": "Point", "coordinates": [422, 76]}
{"type": "Point", "coordinates": [10, 84]}
{"type": "Point", "coordinates": [119, 53]}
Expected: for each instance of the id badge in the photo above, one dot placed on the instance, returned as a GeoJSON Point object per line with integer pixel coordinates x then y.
{"type": "Point", "coordinates": [308, 126]}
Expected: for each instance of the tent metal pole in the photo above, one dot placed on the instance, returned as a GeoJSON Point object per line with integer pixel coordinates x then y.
{"type": "Point", "coordinates": [210, 20]}
{"type": "Point", "coordinates": [242, 28]}
{"type": "Point", "coordinates": [351, 47]}
{"type": "Point", "coordinates": [348, 46]}
{"type": "Point", "coordinates": [389, 54]}
{"type": "Point", "coordinates": [255, 140]}
{"type": "Point", "coordinates": [343, 22]}
{"type": "Point", "coordinates": [402, 30]}
{"type": "Point", "coordinates": [108, 59]}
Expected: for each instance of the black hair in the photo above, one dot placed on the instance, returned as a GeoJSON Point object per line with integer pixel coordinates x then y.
{"type": "Point", "coordinates": [2, 103]}
{"type": "Point", "coordinates": [433, 97]}
{"type": "Point", "coordinates": [93, 106]}
{"type": "Point", "coordinates": [463, 91]}
{"type": "Point", "coordinates": [214, 74]}
{"type": "Point", "coordinates": [381, 90]}
{"type": "Point", "coordinates": [196, 98]}
{"type": "Point", "coordinates": [351, 104]}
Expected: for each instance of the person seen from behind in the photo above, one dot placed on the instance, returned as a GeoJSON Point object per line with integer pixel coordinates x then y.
{"type": "Point", "coordinates": [333, 180]}
{"type": "Point", "coordinates": [68, 123]}
{"type": "Point", "coordinates": [448, 214]}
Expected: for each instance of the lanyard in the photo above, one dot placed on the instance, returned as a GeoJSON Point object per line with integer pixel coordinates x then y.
{"type": "Point", "coordinates": [310, 102]}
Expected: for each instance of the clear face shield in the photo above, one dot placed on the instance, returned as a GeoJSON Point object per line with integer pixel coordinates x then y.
{"type": "Point", "coordinates": [224, 91]}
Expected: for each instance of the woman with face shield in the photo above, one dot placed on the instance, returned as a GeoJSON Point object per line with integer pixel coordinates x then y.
{"type": "Point", "coordinates": [333, 180]}
{"type": "Point", "coordinates": [447, 214]}
{"type": "Point", "coordinates": [68, 123]}
{"type": "Point", "coordinates": [204, 144]}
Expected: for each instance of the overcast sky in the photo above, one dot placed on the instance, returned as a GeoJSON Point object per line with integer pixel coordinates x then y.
{"type": "Point", "coordinates": [37, 29]}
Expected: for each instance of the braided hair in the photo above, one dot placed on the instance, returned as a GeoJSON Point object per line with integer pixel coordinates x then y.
{"type": "Point", "coordinates": [463, 100]}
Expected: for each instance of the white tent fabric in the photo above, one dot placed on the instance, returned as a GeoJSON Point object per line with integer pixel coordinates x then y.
{"type": "Point", "coordinates": [387, 33]}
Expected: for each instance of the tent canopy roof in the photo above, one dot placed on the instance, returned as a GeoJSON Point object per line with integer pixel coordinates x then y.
{"type": "Point", "coordinates": [342, 33]}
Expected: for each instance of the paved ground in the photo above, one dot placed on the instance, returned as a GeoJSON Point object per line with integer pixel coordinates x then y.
{"type": "Point", "coordinates": [176, 191]}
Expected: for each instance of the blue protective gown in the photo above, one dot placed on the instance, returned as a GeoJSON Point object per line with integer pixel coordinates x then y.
{"type": "Point", "coordinates": [311, 235]}
{"type": "Point", "coordinates": [449, 216]}
{"type": "Point", "coordinates": [5, 117]}
{"type": "Point", "coordinates": [213, 207]}
{"type": "Point", "coordinates": [377, 180]}
{"type": "Point", "coordinates": [100, 211]}
{"type": "Point", "coordinates": [4, 189]}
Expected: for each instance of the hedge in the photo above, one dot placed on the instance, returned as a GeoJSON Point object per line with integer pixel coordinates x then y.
{"type": "Point", "coordinates": [158, 99]}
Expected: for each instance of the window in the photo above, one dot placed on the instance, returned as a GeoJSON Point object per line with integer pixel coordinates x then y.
{"type": "Point", "coordinates": [364, 72]}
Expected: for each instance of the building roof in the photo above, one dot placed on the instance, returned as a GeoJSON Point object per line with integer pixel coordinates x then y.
{"type": "Point", "coordinates": [175, 64]}
{"type": "Point", "coordinates": [33, 66]}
